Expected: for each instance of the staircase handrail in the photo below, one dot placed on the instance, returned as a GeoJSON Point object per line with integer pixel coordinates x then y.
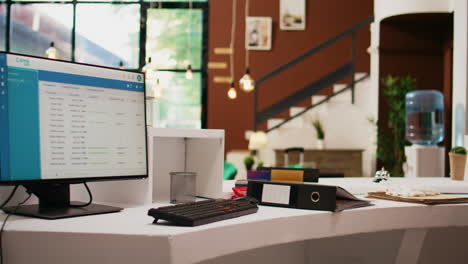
{"type": "Point", "coordinates": [314, 50]}
{"type": "Point", "coordinates": [352, 30]}
{"type": "Point", "coordinates": [326, 99]}
{"type": "Point", "coordinates": [307, 91]}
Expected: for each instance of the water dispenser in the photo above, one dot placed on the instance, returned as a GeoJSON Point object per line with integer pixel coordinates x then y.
{"type": "Point", "coordinates": [425, 117]}
{"type": "Point", "coordinates": [425, 129]}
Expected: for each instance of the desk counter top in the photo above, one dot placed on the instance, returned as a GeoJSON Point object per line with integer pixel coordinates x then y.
{"type": "Point", "coordinates": [129, 235]}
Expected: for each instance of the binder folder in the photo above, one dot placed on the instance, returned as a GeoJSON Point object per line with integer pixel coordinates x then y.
{"type": "Point", "coordinates": [289, 174]}
{"type": "Point", "coordinates": [303, 196]}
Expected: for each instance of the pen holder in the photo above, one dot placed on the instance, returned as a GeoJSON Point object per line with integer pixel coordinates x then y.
{"type": "Point", "coordinates": [183, 187]}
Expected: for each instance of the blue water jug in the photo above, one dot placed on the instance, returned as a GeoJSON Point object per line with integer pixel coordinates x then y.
{"type": "Point", "coordinates": [425, 117]}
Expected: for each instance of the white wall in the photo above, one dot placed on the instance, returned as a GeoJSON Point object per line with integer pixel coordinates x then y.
{"type": "Point", "coordinates": [460, 31]}
{"type": "Point", "coordinates": [385, 8]}
{"type": "Point", "coordinates": [345, 124]}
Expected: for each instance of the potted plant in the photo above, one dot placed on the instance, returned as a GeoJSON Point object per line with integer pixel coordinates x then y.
{"type": "Point", "coordinates": [260, 164]}
{"type": "Point", "coordinates": [320, 133]}
{"type": "Point", "coordinates": [457, 156]}
{"type": "Point", "coordinates": [391, 140]}
{"type": "Point", "coordinates": [249, 162]}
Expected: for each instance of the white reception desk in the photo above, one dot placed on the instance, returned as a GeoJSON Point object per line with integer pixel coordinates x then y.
{"type": "Point", "coordinates": [388, 232]}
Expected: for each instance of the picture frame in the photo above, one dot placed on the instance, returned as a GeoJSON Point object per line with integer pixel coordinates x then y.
{"type": "Point", "coordinates": [258, 33]}
{"type": "Point", "coordinates": [292, 14]}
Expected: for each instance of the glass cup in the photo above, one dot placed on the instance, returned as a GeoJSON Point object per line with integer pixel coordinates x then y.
{"type": "Point", "coordinates": [183, 187]}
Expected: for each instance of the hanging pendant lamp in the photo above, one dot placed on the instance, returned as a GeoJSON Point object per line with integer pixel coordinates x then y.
{"type": "Point", "coordinates": [189, 73]}
{"type": "Point", "coordinates": [51, 52]}
{"type": "Point", "coordinates": [232, 93]}
{"type": "Point", "coordinates": [247, 83]}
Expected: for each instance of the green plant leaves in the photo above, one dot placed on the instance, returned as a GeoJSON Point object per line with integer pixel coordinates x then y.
{"type": "Point", "coordinates": [458, 150]}
{"type": "Point", "coordinates": [318, 128]}
{"type": "Point", "coordinates": [391, 148]}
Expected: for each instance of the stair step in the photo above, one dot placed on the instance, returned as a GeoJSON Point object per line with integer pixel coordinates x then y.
{"type": "Point", "coordinates": [317, 98]}
{"type": "Point", "coordinates": [295, 123]}
{"type": "Point", "coordinates": [295, 110]}
{"type": "Point", "coordinates": [338, 87]}
{"type": "Point", "coordinates": [359, 75]}
{"type": "Point", "coordinates": [273, 122]}
{"type": "Point", "coordinates": [281, 139]}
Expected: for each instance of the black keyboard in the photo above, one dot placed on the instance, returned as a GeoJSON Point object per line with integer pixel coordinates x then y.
{"type": "Point", "coordinates": [204, 212]}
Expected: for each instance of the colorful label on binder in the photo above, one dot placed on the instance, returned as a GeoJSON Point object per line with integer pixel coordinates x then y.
{"type": "Point", "coordinates": [287, 175]}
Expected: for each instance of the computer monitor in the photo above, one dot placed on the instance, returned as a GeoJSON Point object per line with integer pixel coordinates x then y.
{"type": "Point", "coordinates": [64, 123]}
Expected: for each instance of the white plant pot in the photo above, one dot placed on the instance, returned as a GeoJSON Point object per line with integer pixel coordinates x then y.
{"type": "Point", "coordinates": [320, 144]}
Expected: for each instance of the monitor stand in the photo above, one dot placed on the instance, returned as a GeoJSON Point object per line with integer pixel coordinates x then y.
{"type": "Point", "coordinates": [54, 203]}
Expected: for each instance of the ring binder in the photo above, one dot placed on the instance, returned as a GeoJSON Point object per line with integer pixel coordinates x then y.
{"type": "Point", "coordinates": [284, 174]}
{"type": "Point", "coordinates": [315, 197]}
{"type": "Point", "coordinates": [303, 196]}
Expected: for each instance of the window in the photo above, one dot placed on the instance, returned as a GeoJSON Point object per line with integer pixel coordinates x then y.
{"type": "Point", "coordinates": [34, 26]}
{"type": "Point", "coordinates": [174, 41]}
{"type": "Point", "coordinates": [108, 33]}
{"type": "Point", "coordinates": [2, 25]}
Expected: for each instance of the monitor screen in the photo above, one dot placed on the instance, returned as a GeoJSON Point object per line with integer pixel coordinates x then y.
{"type": "Point", "coordinates": [63, 121]}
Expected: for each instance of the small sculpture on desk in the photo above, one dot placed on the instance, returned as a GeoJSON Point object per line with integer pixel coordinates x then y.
{"type": "Point", "coordinates": [381, 175]}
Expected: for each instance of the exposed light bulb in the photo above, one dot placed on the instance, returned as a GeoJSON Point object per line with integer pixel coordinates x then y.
{"type": "Point", "coordinates": [156, 90]}
{"type": "Point", "coordinates": [148, 66]}
{"type": "Point", "coordinates": [189, 73]}
{"type": "Point", "coordinates": [51, 52]}
{"type": "Point", "coordinates": [232, 93]}
{"type": "Point", "coordinates": [247, 83]}
{"type": "Point", "coordinates": [150, 70]}
{"type": "Point", "coordinates": [152, 82]}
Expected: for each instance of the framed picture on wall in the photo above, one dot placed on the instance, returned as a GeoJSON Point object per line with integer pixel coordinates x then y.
{"type": "Point", "coordinates": [258, 33]}
{"type": "Point", "coordinates": [292, 14]}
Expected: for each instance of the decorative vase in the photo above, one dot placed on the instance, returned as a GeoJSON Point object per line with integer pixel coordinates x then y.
{"type": "Point", "coordinates": [320, 144]}
{"type": "Point", "coordinates": [457, 166]}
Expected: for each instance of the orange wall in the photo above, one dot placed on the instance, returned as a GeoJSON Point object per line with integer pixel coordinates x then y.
{"type": "Point", "coordinates": [324, 19]}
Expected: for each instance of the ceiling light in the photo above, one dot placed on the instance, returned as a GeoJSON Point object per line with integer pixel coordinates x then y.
{"type": "Point", "coordinates": [51, 52]}
{"type": "Point", "coordinates": [156, 90]}
{"type": "Point", "coordinates": [189, 73]}
{"type": "Point", "coordinates": [232, 93]}
{"type": "Point", "coordinates": [152, 82]}
{"type": "Point", "coordinates": [247, 83]}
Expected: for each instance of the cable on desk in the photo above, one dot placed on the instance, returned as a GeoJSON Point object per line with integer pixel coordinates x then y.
{"type": "Point", "coordinates": [204, 197]}
{"type": "Point", "coordinates": [90, 198]}
{"type": "Point", "coordinates": [6, 219]}
{"type": "Point", "coordinates": [9, 197]}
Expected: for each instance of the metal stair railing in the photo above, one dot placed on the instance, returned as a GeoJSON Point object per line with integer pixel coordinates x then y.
{"type": "Point", "coordinates": [307, 91]}
{"type": "Point", "coordinates": [326, 99]}
{"type": "Point", "coordinates": [313, 88]}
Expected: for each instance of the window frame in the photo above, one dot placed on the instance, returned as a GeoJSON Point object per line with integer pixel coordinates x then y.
{"type": "Point", "coordinates": [144, 6]}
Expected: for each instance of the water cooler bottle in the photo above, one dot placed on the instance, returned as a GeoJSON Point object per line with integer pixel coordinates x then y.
{"type": "Point", "coordinates": [425, 128]}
